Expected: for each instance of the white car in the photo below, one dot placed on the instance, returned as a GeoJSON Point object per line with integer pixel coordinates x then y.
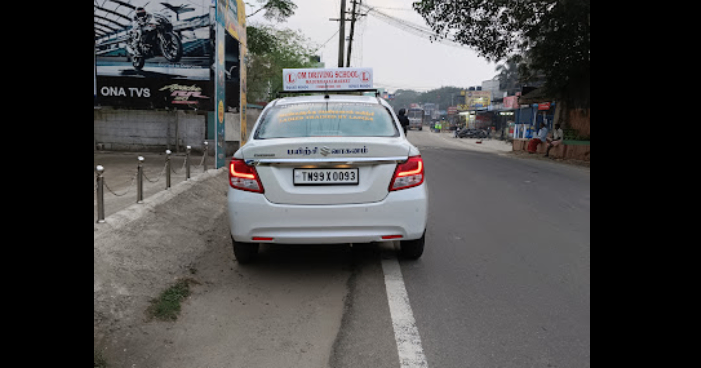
{"type": "Point", "coordinates": [327, 170]}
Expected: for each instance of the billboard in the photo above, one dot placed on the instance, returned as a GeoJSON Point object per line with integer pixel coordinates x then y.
{"type": "Point", "coordinates": [172, 54]}
{"type": "Point", "coordinates": [155, 55]}
{"type": "Point", "coordinates": [476, 100]}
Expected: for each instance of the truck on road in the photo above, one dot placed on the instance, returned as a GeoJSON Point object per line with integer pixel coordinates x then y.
{"type": "Point", "coordinates": [416, 117]}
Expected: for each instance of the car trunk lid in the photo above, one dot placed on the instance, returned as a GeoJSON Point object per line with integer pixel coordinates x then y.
{"type": "Point", "coordinates": [327, 171]}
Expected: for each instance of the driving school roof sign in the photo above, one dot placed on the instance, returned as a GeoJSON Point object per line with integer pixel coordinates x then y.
{"type": "Point", "coordinates": [317, 80]}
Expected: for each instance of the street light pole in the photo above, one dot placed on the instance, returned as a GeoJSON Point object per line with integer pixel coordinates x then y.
{"type": "Point", "coordinates": [352, 35]}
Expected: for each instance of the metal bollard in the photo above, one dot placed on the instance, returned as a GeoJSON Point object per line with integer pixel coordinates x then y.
{"type": "Point", "coordinates": [100, 194]}
{"type": "Point", "coordinates": [140, 182]}
{"type": "Point", "coordinates": [187, 163]}
{"type": "Point", "coordinates": [168, 169]}
{"type": "Point", "coordinates": [206, 155]}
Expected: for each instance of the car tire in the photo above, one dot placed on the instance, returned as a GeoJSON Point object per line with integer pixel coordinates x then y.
{"type": "Point", "coordinates": [246, 253]}
{"type": "Point", "coordinates": [414, 249]}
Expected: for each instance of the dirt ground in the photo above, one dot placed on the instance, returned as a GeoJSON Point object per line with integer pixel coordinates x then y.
{"type": "Point", "coordinates": [139, 253]}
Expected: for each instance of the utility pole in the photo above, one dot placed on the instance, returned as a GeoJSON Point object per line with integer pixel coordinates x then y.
{"type": "Point", "coordinates": [352, 35]}
{"type": "Point", "coordinates": [342, 42]}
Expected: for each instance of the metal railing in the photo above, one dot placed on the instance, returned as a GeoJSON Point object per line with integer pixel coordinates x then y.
{"type": "Point", "coordinates": [102, 187]}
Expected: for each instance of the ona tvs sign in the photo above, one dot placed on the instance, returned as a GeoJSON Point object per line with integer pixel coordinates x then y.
{"type": "Point", "coordinates": [155, 94]}
{"type": "Point", "coordinates": [125, 92]}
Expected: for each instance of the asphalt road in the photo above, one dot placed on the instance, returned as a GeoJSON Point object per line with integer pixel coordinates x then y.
{"type": "Point", "coordinates": [505, 282]}
{"type": "Point", "coordinates": [506, 279]}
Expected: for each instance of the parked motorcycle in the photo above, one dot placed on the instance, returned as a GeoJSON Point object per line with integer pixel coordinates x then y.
{"type": "Point", "coordinates": [154, 38]}
{"type": "Point", "coordinates": [472, 133]}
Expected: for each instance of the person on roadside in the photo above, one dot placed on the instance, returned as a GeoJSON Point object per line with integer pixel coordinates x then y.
{"type": "Point", "coordinates": [404, 120]}
{"type": "Point", "coordinates": [439, 127]}
{"type": "Point", "coordinates": [541, 138]}
{"type": "Point", "coordinates": [556, 140]}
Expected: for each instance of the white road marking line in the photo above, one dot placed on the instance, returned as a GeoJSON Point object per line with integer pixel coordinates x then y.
{"type": "Point", "coordinates": [411, 352]}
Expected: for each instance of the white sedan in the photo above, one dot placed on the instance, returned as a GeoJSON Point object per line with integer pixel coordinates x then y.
{"type": "Point", "coordinates": [327, 170]}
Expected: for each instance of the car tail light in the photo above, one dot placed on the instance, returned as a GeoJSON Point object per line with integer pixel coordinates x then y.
{"type": "Point", "coordinates": [244, 177]}
{"type": "Point", "coordinates": [408, 175]}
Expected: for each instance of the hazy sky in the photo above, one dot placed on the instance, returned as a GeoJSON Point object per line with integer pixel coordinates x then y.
{"type": "Point", "coordinates": [400, 59]}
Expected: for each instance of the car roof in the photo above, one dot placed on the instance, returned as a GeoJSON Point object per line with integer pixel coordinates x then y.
{"type": "Point", "coordinates": [332, 98]}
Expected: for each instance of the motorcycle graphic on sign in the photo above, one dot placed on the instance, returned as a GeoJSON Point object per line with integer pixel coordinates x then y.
{"type": "Point", "coordinates": [145, 39]}
{"type": "Point", "coordinates": [153, 35]}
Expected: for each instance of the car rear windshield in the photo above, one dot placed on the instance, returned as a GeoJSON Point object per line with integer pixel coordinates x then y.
{"type": "Point", "coordinates": [327, 120]}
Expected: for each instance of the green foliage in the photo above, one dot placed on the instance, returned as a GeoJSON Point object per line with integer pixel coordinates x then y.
{"type": "Point", "coordinates": [277, 10]}
{"type": "Point", "coordinates": [98, 360]}
{"type": "Point", "coordinates": [260, 41]}
{"type": "Point", "coordinates": [553, 37]}
{"type": "Point", "coordinates": [271, 51]}
{"type": "Point", "coordinates": [404, 98]}
{"type": "Point", "coordinates": [510, 76]}
{"type": "Point", "coordinates": [167, 306]}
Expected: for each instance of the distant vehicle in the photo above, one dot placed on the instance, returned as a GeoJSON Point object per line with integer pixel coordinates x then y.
{"type": "Point", "coordinates": [472, 133]}
{"type": "Point", "coordinates": [416, 117]}
{"type": "Point", "coordinates": [463, 133]}
{"type": "Point", "coordinates": [430, 110]}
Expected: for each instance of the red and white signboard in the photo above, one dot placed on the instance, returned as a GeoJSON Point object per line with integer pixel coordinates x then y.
{"type": "Point", "coordinates": [317, 80]}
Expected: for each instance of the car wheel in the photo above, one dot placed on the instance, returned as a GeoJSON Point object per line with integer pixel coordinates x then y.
{"type": "Point", "coordinates": [246, 253]}
{"type": "Point", "coordinates": [413, 250]}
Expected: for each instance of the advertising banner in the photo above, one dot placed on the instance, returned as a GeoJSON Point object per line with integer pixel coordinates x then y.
{"type": "Point", "coordinates": [478, 100]}
{"type": "Point", "coordinates": [155, 55]}
{"type": "Point", "coordinates": [511, 103]}
{"type": "Point", "coordinates": [139, 93]}
{"type": "Point", "coordinates": [147, 39]}
{"type": "Point", "coordinates": [221, 90]}
{"type": "Point", "coordinates": [319, 80]}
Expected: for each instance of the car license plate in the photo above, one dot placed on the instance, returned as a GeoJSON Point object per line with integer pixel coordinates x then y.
{"type": "Point", "coordinates": [326, 177]}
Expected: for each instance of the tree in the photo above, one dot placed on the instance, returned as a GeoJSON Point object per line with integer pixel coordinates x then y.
{"type": "Point", "coordinates": [271, 51]}
{"type": "Point", "coordinates": [552, 36]}
{"type": "Point", "coordinates": [404, 98]}
{"type": "Point", "coordinates": [509, 76]}
{"type": "Point", "coordinates": [278, 10]}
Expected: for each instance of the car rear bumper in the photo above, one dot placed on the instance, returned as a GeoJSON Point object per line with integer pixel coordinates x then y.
{"type": "Point", "coordinates": [403, 213]}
